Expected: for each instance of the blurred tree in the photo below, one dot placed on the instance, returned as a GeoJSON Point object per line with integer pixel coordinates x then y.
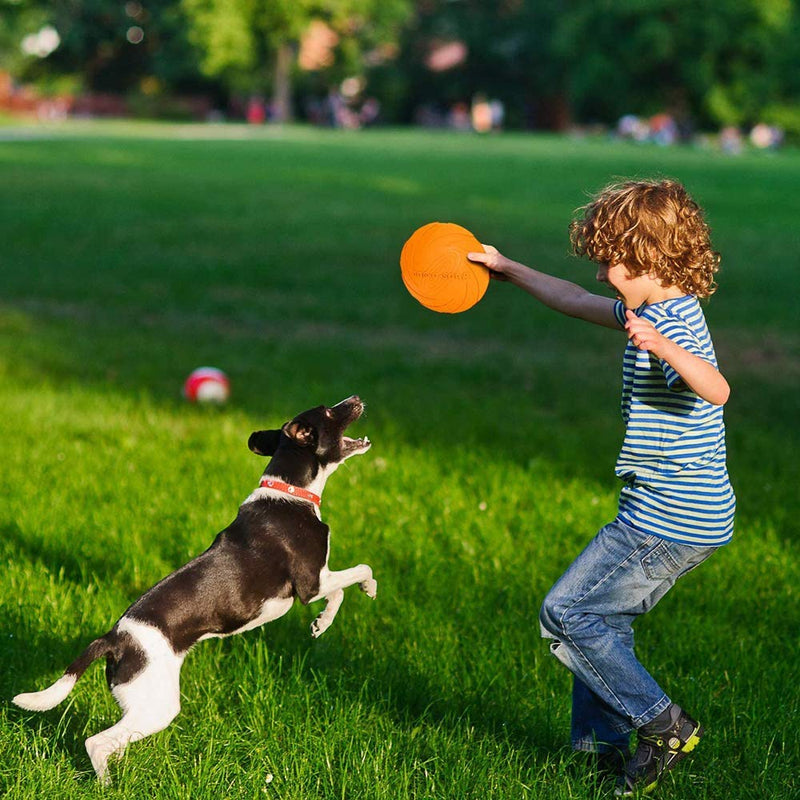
{"type": "Point", "coordinates": [506, 54]}
{"type": "Point", "coordinates": [784, 110]}
{"type": "Point", "coordinates": [719, 61]}
{"type": "Point", "coordinates": [252, 44]}
{"type": "Point", "coordinates": [18, 20]}
{"type": "Point", "coordinates": [105, 45]}
{"type": "Point", "coordinates": [713, 61]}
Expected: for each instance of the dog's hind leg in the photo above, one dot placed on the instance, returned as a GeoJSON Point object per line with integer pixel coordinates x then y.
{"type": "Point", "coordinates": [150, 699]}
{"type": "Point", "coordinates": [134, 725]}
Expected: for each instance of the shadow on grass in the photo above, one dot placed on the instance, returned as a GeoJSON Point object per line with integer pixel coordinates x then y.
{"type": "Point", "coordinates": [426, 388]}
{"type": "Point", "coordinates": [401, 691]}
{"type": "Point", "coordinates": [511, 398]}
{"type": "Point", "coordinates": [430, 404]}
{"type": "Point", "coordinates": [413, 698]}
{"type": "Point", "coordinates": [68, 562]}
{"type": "Point", "coordinates": [30, 661]}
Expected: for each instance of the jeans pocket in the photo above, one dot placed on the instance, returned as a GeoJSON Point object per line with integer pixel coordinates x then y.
{"type": "Point", "coordinates": [659, 564]}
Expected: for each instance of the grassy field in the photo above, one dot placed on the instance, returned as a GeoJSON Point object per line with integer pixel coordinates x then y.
{"type": "Point", "coordinates": [132, 254]}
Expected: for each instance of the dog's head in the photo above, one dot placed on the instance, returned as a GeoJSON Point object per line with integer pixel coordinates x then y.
{"type": "Point", "coordinates": [318, 432]}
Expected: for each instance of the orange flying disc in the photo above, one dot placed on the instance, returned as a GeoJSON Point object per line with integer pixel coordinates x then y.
{"type": "Point", "coordinates": [436, 270]}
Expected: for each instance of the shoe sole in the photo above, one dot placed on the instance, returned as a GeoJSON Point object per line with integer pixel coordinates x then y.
{"type": "Point", "coordinates": [679, 755]}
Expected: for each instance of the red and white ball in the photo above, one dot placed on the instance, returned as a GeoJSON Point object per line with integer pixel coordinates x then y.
{"type": "Point", "coordinates": [207, 385]}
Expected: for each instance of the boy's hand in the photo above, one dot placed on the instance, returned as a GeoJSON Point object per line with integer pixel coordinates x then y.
{"type": "Point", "coordinates": [645, 336]}
{"type": "Point", "coordinates": [493, 261]}
{"type": "Point", "coordinates": [702, 377]}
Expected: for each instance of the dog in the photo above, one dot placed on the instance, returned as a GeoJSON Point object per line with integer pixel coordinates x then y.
{"type": "Point", "coordinates": [276, 549]}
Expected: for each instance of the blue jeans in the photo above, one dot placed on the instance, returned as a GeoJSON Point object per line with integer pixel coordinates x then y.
{"type": "Point", "coordinates": [621, 574]}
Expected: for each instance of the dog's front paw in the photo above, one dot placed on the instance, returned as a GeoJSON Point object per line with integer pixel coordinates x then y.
{"type": "Point", "coordinates": [320, 625]}
{"type": "Point", "coordinates": [369, 587]}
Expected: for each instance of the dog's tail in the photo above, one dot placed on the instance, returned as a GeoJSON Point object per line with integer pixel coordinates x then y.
{"type": "Point", "coordinates": [54, 694]}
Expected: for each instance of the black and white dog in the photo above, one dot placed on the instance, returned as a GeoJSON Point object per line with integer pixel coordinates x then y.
{"type": "Point", "coordinates": [275, 550]}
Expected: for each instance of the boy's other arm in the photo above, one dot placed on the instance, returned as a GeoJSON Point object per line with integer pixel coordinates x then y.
{"type": "Point", "coordinates": [556, 293]}
{"type": "Point", "coordinates": [703, 378]}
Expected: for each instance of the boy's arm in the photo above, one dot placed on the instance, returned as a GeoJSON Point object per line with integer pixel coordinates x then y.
{"type": "Point", "coordinates": [556, 293]}
{"type": "Point", "coordinates": [703, 378]}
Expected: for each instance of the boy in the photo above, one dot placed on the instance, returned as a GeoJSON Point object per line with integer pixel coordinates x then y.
{"type": "Point", "coordinates": [652, 247]}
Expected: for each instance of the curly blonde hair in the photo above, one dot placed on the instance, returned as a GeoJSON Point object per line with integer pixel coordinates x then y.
{"type": "Point", "coordinates": [651, 227]}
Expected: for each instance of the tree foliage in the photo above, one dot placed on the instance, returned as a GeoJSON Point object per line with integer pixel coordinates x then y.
{"type": "Point", "coordinates": [719, 61]}
{"type": "Point", "coordinates": [251, 43]}
{"type": "Point", "coordinates": [106, 45]}
{"type": "Point", "coordinates": [508, 55]}
{"type": "Point", "coordinates": [715, 61]}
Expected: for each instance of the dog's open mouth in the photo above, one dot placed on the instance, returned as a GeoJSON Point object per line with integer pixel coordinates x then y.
{"type": "Point", "coordinates": [353, 446]}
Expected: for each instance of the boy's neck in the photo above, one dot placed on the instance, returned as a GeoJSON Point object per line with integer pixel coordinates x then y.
{"type": "Point", "coordinates": [661, 293]}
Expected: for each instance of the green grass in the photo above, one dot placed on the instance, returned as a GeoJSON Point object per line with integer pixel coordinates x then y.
{"type": "Point", "coordinates": [132, 254]}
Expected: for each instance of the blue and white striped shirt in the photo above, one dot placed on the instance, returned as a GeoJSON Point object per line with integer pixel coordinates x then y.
{"type": "Point", "coordinates": [672, 459]}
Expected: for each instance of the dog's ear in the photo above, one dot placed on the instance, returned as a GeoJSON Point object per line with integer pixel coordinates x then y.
{"type": "Point", "coordinates": [264, 443]}
{"type": "Point", "coordinates": [302, 434]}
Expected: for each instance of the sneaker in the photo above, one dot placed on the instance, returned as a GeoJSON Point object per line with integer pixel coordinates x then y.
{"type": "Point", "coordinates": [658, 751]}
